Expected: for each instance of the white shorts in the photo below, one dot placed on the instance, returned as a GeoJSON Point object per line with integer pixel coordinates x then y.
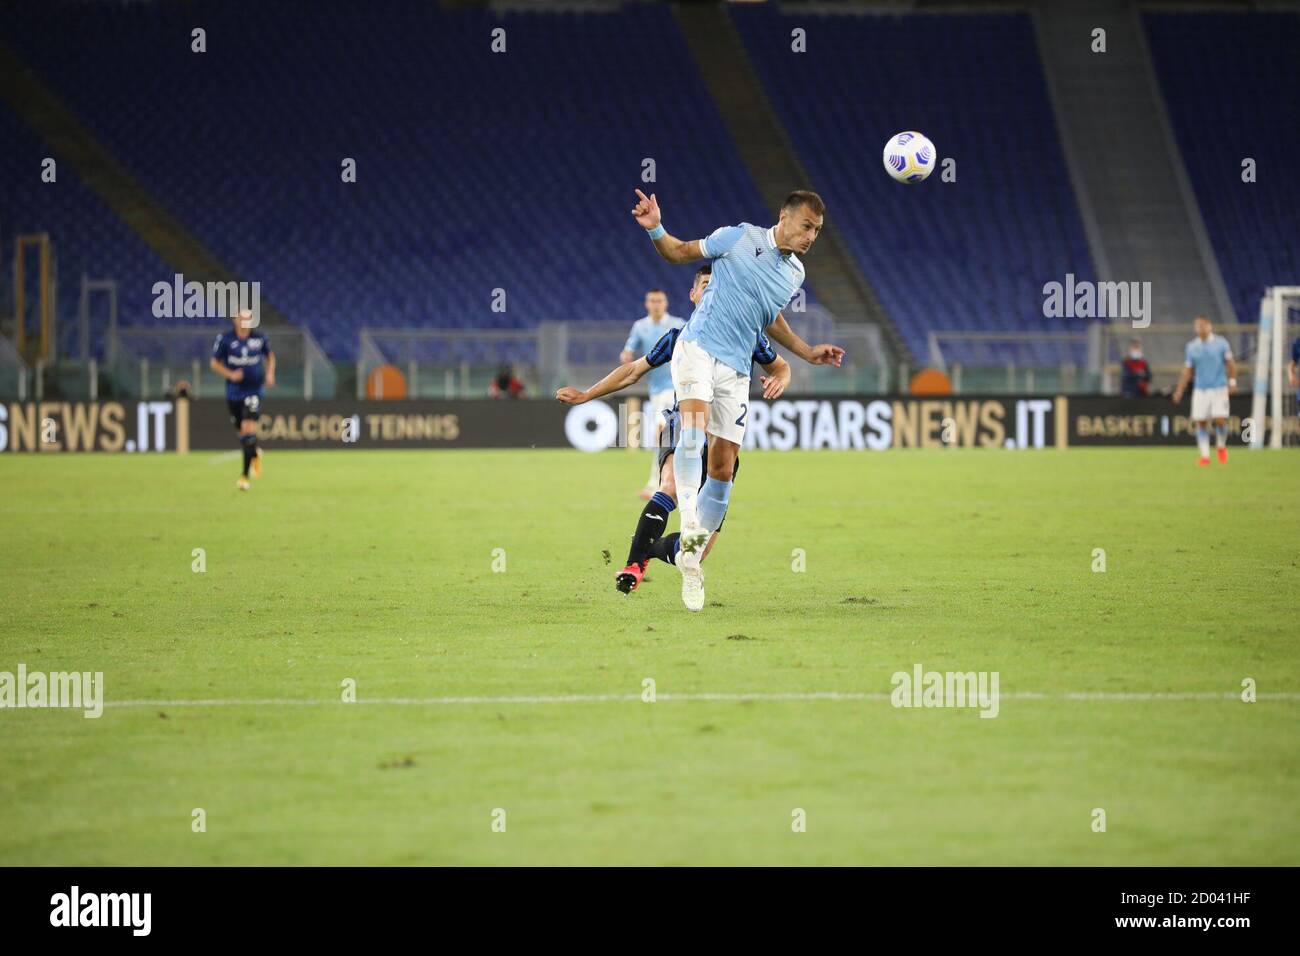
{"type": "Point", "coordinates": [1209, 403]}
{"type": "Point", "coordinates": [661, 402]}
{"type": "Point", "coordinates": [698, 375]}
{"type": "Point", "coordinates": [658, 403]}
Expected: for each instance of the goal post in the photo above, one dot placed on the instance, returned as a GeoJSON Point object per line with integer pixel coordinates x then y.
{"type": "Point", "coordinates": [1274, 399]}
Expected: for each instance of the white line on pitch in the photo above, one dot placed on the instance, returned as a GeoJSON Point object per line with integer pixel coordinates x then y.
{"type": "Point", "coordinates": [629, 698]}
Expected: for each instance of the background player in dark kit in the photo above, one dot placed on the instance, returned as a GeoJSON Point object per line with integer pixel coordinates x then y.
{"type": "Point", "coordinates": [243, 357]}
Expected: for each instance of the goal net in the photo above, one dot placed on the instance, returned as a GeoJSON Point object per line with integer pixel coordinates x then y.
{"type": "Point", "coordinates": [1274, 396]}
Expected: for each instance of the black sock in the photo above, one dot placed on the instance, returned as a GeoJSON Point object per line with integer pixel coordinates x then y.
{"type": "Point", "coordinates": [653, 522]}
{"type": "Point", "coordinates": [250, 450]}
{"type": "Point", "coordinates": [665, 548]}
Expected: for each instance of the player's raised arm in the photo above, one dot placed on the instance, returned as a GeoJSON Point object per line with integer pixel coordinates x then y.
{"type": "Point", "coordinates": [823, 354]}
{"type": "Point", "coordinates": [615, 381]}
{"type": "Point", "coordinates": [646, 213]}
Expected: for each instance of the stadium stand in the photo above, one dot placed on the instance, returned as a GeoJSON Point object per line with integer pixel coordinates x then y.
{"type": "Point", "coordinates": [973, 255]}
{"type": "Point", "coordinates": [1229, 82]}
{"type": "Point", "coordinates": [87, 237]}
{"type": "Point", "coordinates": [425, 234]}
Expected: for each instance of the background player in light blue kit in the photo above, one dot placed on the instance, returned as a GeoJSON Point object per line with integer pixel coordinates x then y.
{"type": "Point", "coordinates": [1208, 358]}
{"type": "Point", "coordinates": [645, 333]}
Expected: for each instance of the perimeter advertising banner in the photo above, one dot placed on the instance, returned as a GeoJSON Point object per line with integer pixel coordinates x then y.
{"type": "Point", "coordinates": [417, 423]}
{"type": "Point", "coordinates": [112, 426]}
{"type": "Point", "coordinates": [1143, 421]}
{"type": "Point", "coordinates": [841, 423]}
{"type": "Point", "coordinates": [868, 423]}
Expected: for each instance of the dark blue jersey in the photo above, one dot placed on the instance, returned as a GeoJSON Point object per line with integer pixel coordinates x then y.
{"type": "Point", "coordinates": [248, 354]}
{"type": "Point", "coordinates": [662, 353]}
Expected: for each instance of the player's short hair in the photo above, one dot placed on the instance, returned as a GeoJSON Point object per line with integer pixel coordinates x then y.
{"type": "Point", "coordinates": [704, 270]}
{"type": "Point", "coordinates": [654, 291]}
{"type": "Point", "coordinates": [804, 197]}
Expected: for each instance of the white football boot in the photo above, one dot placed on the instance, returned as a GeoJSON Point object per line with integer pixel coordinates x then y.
{"type": "Point", "coordinates": [694, 536]}
{"type": "Point", "coordinates": [692, 580]}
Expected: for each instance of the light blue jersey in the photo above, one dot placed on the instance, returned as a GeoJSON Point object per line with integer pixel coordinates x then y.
{"type": "Point", "coordinates": [1207, 359]}
{"type": "Point", "coordinates": [752, 282]}
{"type": "Point", "coordinates": [645, 333]}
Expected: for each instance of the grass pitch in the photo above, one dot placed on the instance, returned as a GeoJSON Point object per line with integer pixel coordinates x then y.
{"type": "Point", "coordinates": [379, 567]}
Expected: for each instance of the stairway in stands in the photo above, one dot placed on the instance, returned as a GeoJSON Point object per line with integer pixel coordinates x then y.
{"type": "Point", "coordinates": [1140, 214]}
{"type": "Point", "coordinates": [764, 148]}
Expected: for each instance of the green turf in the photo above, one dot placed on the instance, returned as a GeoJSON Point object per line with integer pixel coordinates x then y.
{"type": "Point", "coordinates": [378, 567]}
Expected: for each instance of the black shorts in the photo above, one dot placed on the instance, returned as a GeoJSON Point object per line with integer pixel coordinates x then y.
{"type": "Point", "coordinates": [248, 408]}
{"type": "Point", "coordinates": [669, 440]}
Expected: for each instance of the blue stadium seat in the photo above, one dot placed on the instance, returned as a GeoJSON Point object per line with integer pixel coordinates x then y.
{"type": "Point", "coordinates": [970, 255]}
{"type": "Point", "coordinates": [471, 176]}
{"type": "Point", "coordinates": [1229, 80]}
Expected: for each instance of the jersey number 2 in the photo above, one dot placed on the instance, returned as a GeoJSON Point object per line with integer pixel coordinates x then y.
{"type": "Point", "coordinates": [744, 410]}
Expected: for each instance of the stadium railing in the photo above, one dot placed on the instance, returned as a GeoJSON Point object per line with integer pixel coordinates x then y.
{"type": "Point", "coordinates": [1169, 339]}
{"type": "Point", "coordinates": [443, 363]}
{"type": "Point", "coordinates": [142, 362]}
{"type": "Point", "coordinates": [461, 363]}
{"type": "Point", "coordinates": [1013, 361]}
{"type": "Point", "coordinates": [1081, 362]}
{"type": "Point", "coordinates": [146, 362]}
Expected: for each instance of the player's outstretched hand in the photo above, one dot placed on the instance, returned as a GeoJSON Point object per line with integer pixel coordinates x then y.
{"type": "Point", "coordinates": [646, 212]}
{"type": "Point", "coordinates": [1178, 395]}
{"type": "Point", "coordinates": [827, 355]}
{"type": "Point", "coordinates": [270, 380]}
{"type": "Point", "coordinates": [773, 386]}
{"type": "Point", "coordinates": [570, 395]}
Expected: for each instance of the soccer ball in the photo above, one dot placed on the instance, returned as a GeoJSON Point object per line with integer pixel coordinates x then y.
{"type": "Point", "coordinates": [909, 157]}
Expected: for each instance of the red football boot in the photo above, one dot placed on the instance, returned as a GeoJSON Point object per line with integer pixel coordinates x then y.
{"type": "Point", "coordinates": [628, 579]}
{"type": "Point", "coordinates": [1223, 456]}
